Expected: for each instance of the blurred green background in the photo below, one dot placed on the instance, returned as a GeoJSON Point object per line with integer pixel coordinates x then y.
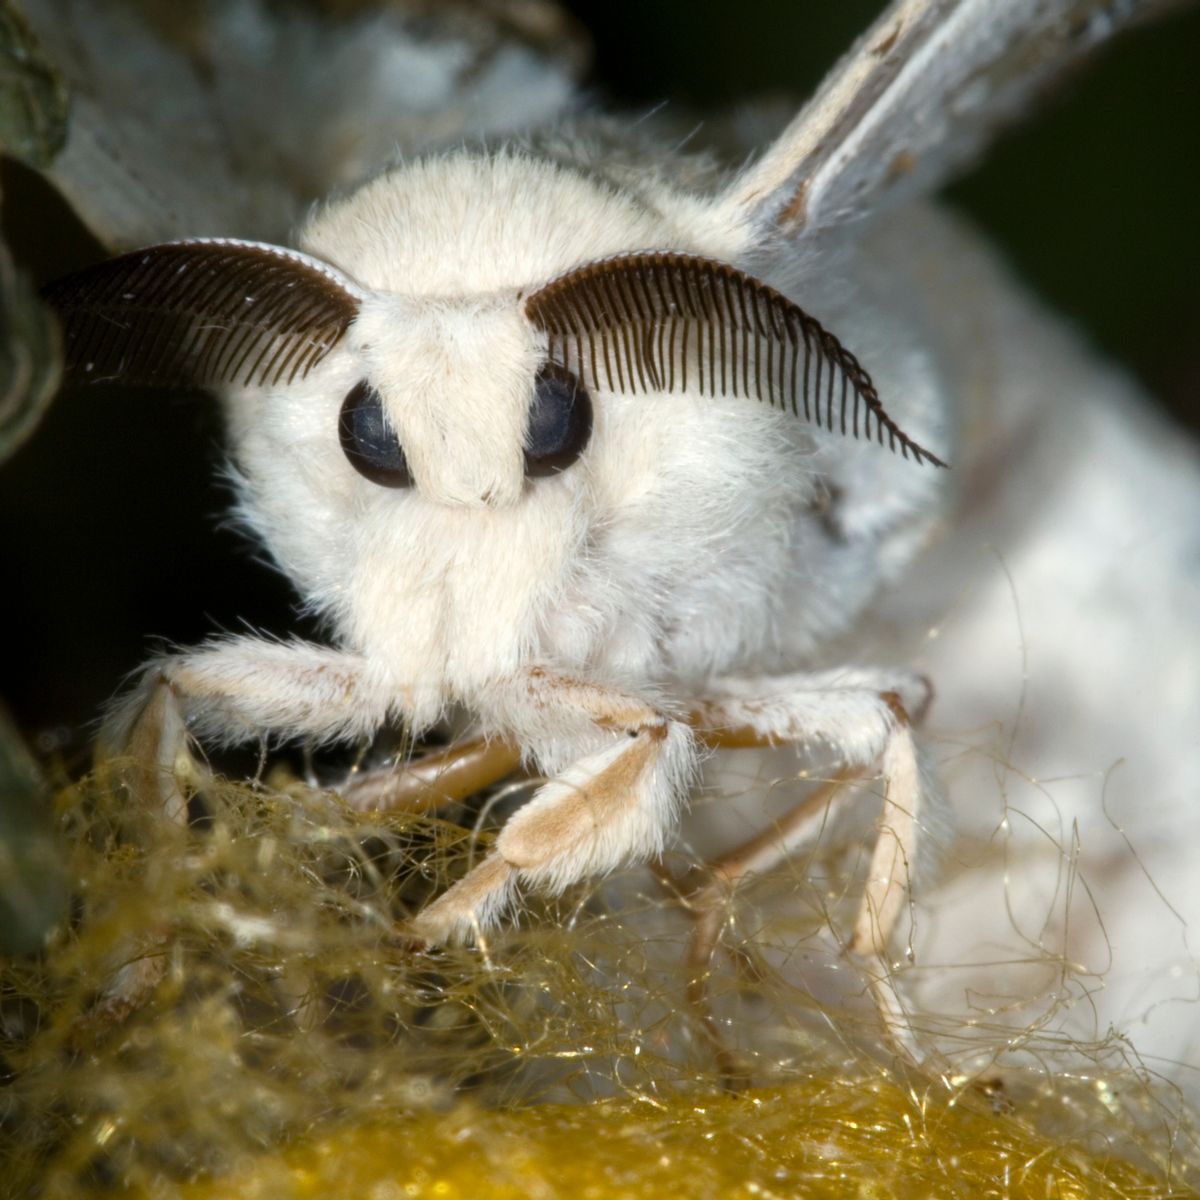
{"type": "Point", "coordinates": [110, 517]}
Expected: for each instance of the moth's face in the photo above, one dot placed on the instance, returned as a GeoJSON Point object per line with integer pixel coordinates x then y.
{"type": "Point", "coordinates": [448, 389]}
{"type": "Point", "coordinates": [448, 249]}
{"type": "Point", "coordinates": [547, 398]}
{"type": "Point", "coordinates": [437, 472]}
{"type": "Point", "coordinates": [505, 409]}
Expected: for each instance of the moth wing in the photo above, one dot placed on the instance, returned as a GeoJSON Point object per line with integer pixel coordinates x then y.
{"type": "Point", "coordinates": [916, 99]}
{"type": "Point", "coordinates": [230, 119]}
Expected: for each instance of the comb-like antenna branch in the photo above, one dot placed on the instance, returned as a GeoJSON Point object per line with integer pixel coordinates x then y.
{"type": "Point", "coordinates": [624, 321]}
{"type": "Point", "coordinates": [202, 313]}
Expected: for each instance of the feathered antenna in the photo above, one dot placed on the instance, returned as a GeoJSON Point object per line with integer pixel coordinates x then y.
{"type": "Point", "coordinates": [642, 322]}
{"type": "Point", "coordinates": [201, 313]}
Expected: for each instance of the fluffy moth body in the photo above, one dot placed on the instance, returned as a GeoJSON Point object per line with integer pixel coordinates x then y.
{"type": "Point", "coordinates": [601, 453]}
{"type": "Point", "coordinates": [527, 470]}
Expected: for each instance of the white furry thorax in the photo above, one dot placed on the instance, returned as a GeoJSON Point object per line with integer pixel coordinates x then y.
{"type": "Point", "coordinates": [663, 554]}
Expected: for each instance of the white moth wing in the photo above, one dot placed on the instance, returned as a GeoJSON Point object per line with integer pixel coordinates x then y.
{"type": "Point", "coordinates": [916, 99]}
{"type": "Point", "coordinates": [230, 119]}
{"type": "Point", "coordinates": [1055, 614]}
{"type": "Point", "coordinates": [1054, 608]}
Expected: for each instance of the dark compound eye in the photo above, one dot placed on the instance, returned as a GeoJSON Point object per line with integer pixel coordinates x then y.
{"type": "Point", "coordinates": [368, 441]}
{"type": "Point", "coordinates": [560, 422]}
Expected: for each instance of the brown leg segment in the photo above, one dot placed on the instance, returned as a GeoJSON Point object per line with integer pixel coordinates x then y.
{"type": "Point", "coordinates": [435, 779]}
{"type": "Point", "coordinates": [710, 904]}
{"type": "Point", "coordinates": [748, 722]}
{"type": "Point", "coordinates": [158, 750]}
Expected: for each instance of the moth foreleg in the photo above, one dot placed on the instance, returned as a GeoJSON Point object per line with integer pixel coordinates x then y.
{"type": "Point", "coordinates": [613, 800]}
{"type": "Point", "coordinates": [229, 691]}
{"type": "Point", "coordinates": [236, 690]}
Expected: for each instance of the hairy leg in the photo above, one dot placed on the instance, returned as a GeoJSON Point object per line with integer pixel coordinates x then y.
{"type": "Point", "coordinates": [865, 717]}
{"type": "Point", "coordinates": [236, 690]}
{"type": "Point", "coordinates": [620, 770]}
{"type": "Point", "coordinates": [228, 691]}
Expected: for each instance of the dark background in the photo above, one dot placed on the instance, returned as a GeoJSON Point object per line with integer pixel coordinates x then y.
{"type": "Point", "coordinates": [109, 518]}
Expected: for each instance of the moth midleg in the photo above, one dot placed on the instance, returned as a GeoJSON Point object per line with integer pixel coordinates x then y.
{"type": "Point", "coordinates": [865, 715]}
{"type": "Point", "coordinates": [709, 906]}
{"type": "Point", "coordinates": [435, 779]}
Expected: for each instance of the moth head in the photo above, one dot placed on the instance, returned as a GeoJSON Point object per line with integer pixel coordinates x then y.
{"type": "Point", "coordinates": [453, 397]}
{"type": "Point", "coordinates": [446, 392]}
{"type": "Point", "coordinates": [471, 400]}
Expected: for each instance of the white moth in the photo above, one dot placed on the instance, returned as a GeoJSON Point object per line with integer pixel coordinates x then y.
{"type": "Point", "coordinates": [607, 455]}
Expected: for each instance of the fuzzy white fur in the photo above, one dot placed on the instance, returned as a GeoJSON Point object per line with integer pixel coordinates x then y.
{"type": "Point", "coordinates": [581, 615]}
{"type": "Point", "coordinates": [696, 546]}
